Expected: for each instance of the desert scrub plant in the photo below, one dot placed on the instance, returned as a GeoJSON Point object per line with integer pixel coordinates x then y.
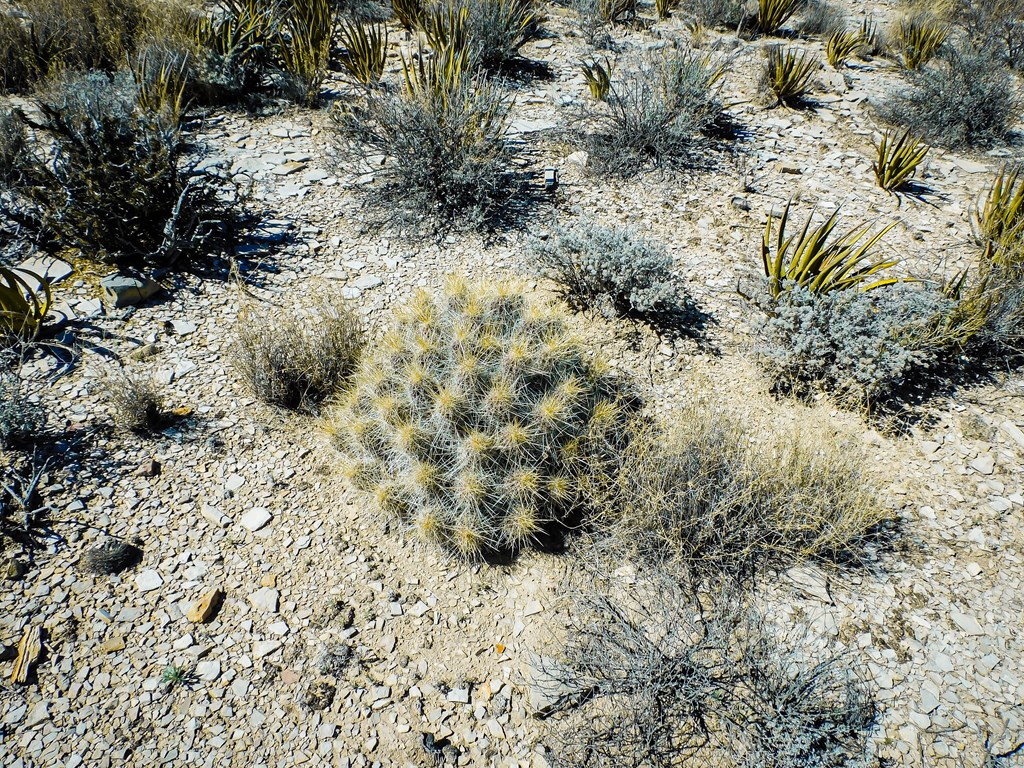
{"type": "Point", "coordinates": [664, 8]}
{"type": "Point", "coordinates": [135, 400]}
{"type": "Point", "coordinates": [654, 113]}
{"type": "Point", "coordinates": [809, 260]}
{"type": "Point", "coordinates": [841, 45]}
{"type": "Point", "coordinates": [408, 12]}
{"type": "Point", "coordinates": [25, 300]}
{"type": "Point", "coordinates": [663, 679]}
{"type": "Point", "coordinates": [96, 173]}
{"type": "Point", "coordinates": [304, 46]}
{"type": "Point", "coordinates": [965, 100]}
{"type": "Point", "coordinates": [608, 269]}
{"type": "Point", "coordinates": [298, 357]}
{"type": "Point", "coordinates": [772, 14]}
{"type": "Point", "coordinates": [22, 420]}
{"type": "Point", "coordinates": [787, 74]}
{"type": "Point", "coordinates": [820, 17]}
{"type": "Point", "coordinates": [460, 423]}
{"type": "Point", "coordinates": [366, 50]}
{"type": "Point", "coordinates": [1000, 214]}
{"type": "Point", "coordinates": [493, 31]}
{"type": "Point", "coordinates": [617, 11]}
{"type": "Point", "coordinates": [994, 25]}
{"type": "Point", "coordinates": [896, 159]}
{"type": "Point", "coordinates": [918, 39]}
{"type": "Point", "coordinates": [598, 77]}
{"type": "Point", "coordinates": [864, 347]}
{"type": "Point", "coordinates": [445, 136]}
{"type": "Point", "coordinates": [704, 499]}
{"type": "Point", "coordinates": [731, 14]}
{"type": "Point", "coordinates": [237, 42]}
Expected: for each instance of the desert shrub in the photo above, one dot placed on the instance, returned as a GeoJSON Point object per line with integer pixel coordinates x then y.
{"type": "Point", "coordinates": [444, 135]}
{"type": "Point", "coordinates": [654, 113]}
{"type": "Point", "coordinates": [496, 29]}
{"type": "Point", "coordinates": [787, 74]}
{"type": "Point", "coordinates": [21, 419]}
{"type": "Point", "coordinates": [100, 175]}
{"type": "Point", "coordinates": [298, 357]}
{"type": "Point", "coordinates": [966, 100]}
{"type": "Point", "coordinates": [731, 14]}
{"type": "Point", "coordinates": [820, 17]}
{"type": "Point", "coordinates": [704, 499]}
{"type": "Point", "coordinates": [135, 400]}
{"type": "Point", "coordinates": [304, 48]}
{"type": "Point", "coordinates": [459, 424]}
{"type": "Point", "coordinates": [589, 22]}
{"type": "Point", "coordinates": [772, 14]}
{"type": "Point", "coordinates": [665, 681]}
{"type": "Point", "coordinates": [1003, 297]}
{"type": "Point", "coordinates": [50, 36]}
{"type": "Point", "coordinates": [863, 346]}
{"type": "Point", "coordinates": [608, 269]}
{"type": "Point", "coordinates": [996, 26]}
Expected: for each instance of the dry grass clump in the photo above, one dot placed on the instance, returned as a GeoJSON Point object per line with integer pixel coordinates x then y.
{"type": "Point", "coordinates": [462, 422]}
{"type": "Point", "coordinates": [135, 400]}
{"type": "Point", "coordinates": [703, 496]}
{"type": "Point", "coordinates": [665, 679]}
{"type": "Point", "coordinates": [298, 357]}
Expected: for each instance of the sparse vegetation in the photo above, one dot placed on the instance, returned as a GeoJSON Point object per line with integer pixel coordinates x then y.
{"type": "Point", "coordinates": [732, 14]}
{"type": "Point", "coordinates": [135, 400]}
{"type": "Point", "coordinates": [298, 357]}
{"type": "Point", "coordinates": [918, 39]}
{"type": "Point", "coordinates": [787, 74]}
{"type": "Point", "coordinates": [599, 79]}
{"type": "Point", "coordinates": [95, 173]}
{"type": "Point", "coordinates": [461, 423]}
{"type": "Point", "coordinates": [22, 420]}
{"type": "Point", "coordinates": [821, 17]}
{"type": "Point", "coordinates": [444, 134]}
{"type": "Point", "coordinates": [966, 100]}
{"type": "Point", "coordinates": [303, 46]}
{"type": "Point", "coordinates": [25, 300]}
{"type": "Point", "coordinates": [772, 14]}
{"type": "Point", "coordinates": [654, 113]}
{"type": "Point", "coordinates": [365, 51]}
{"type": "Point", "coordinates": [841, 45]}
{"type": "Point", "coordinates": [897, 159]}
{"type": "Point", "coordinates": [608, 269]}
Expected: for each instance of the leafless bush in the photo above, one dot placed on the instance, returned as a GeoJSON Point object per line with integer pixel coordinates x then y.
{"type": "Point", "coordinates": [671, 679]}
{"type": "Point", "coordinates": [298, 357]}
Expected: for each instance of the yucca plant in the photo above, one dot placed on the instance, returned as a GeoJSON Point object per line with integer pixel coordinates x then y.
{"type": "Point", "coordinates": [968, 317]}
{"type": "Point", "coordinates": [772, 14]}
{"type": "Point", "coordinates": [599, 79]}
{"type": "Point", "coordinates": [787, 73]}
{"type": "Point", "coordinates": [616, 10]}
{"type": "Point", "coordinates": [240, 39]}
{"type": "Point", "coordinates": [160, 83]}
{"type": "Point", "coordinates": [841, 45]}
{"type": "Point", "coordinates": [919, 39]}
{"type": "Point", "coordinates": [408, 12]}
{"type": "Point", "coordinates": [664, 8]}
{"type": "Point", "coordinates": [871, 37]}
{"type": "Point", "coordinates": [446, 29]}
{"type": "Point", "coordinates": [810, 261]}
{"type": "Point", "coordinates": [1001, 215]}
{"type": "Point", "coordinates": [365, 50]}
{"type": "Point", "coordinates": [462, 423]}
{"type": "Point", "coordinates": [305, 47]}
{"type": "Point", "coordinates": [897, 159]}
{"type": "Point", "coordinates": [24, 302]}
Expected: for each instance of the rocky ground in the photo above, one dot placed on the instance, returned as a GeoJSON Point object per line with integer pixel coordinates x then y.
{"type": "Point", "coordinates": [339, 645]}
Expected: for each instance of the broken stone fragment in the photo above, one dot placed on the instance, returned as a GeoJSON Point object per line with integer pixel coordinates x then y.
{"type": "Point", "coordinates": [206, 607]}
{"type": "Point", "coordinates": [124, 291]}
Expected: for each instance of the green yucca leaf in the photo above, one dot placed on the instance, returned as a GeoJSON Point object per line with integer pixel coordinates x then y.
{"type": "Point", "coordinates": [788, 73]}
{"type": "Point", "coordinates": [841, 45]}
{"type": "Point", "coordinates": [304, 45]}
{"type": "Point", "coordinates": [599, 79]}
{"type": "Point", "coordinates": [1002, 216]}
{"type": "Point", "coordinates": [446, 28]}
{"type": "Point", "coordinates": [616, 10]}
{"type": "Point", "coordinates": [23, 306]}
{"type": "Point", "coordinates": [664, 8]}
{"type": "Point", "coordinates": [365, 50]}
{"type": "Point", "coordinates": [919, 39]}
{"type": "Point", "coordinates": [897, 159]}
{"type": "Point", "coordinates": [408, 12]}
{"type": "Point", "coordinates": [811, 261]}
{"type": "Point", "coordinates": [772, 14]}
{"type": "Point", "coordinates": [161, 90]}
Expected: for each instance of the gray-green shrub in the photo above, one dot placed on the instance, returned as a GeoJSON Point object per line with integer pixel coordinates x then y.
{"type": "Point", "coordinates": [21, 419]}
{"type": "Point", "coordinates": [608, 269]}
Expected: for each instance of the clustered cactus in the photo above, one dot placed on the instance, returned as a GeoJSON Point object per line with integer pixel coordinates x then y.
{"type": "Point", "coordinates": [463, 423]}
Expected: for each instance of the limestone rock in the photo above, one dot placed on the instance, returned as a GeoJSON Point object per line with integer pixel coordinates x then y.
{"type": "Point", "coordinates": [206, 607]}
{"type": "Point", "coordinates": [124, 291]}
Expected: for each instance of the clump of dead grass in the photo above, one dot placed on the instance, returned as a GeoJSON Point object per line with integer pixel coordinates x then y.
{"type": "Point", "coordinates": [136, 401]}
{"type": "Point", "coordinates": [298, 357]}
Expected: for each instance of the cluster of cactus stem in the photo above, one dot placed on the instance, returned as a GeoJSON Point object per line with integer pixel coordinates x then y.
{"type": "Point", "coordinates": [464, 421]}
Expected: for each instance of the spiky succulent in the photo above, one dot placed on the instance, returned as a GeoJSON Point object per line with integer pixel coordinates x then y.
{"type": "Point", "coordinates": [463, 422]}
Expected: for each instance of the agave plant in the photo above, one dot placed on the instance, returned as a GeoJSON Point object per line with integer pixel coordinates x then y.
{"type": "Point", "coordinates": [365, 50]}
{"type": "Point", "coordinates": [664, 8]}
{"type": "Point", "coordinates": [408, 12]}
{"type": "Point", "coordinates": [599, 79]}
{"type": "Point", "coordinates": [446, 28]}
{"type": "Point", "coordinates": [160, 85]}
{"type": "Point", "coordinates": [841, 45]}
{"type": "Point", "coordinates": [1001, 217]}
{"type": "Point", "coordinates": [897, 159]}
{"type": "Point", "coordinates": [920, 38]}
{"type": "Point", "coordinates": [810, 261]}
{"type": "Point", "coordinates": [788, 73]}
{"type": "Point", "coordinates": [871, 40]}
{"type": "Point", "coordinates": [305, 46]}
{"type": "Point", "coordinates": [24, 302]}
{"type": "Point", "coordinates": [772, 14]}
